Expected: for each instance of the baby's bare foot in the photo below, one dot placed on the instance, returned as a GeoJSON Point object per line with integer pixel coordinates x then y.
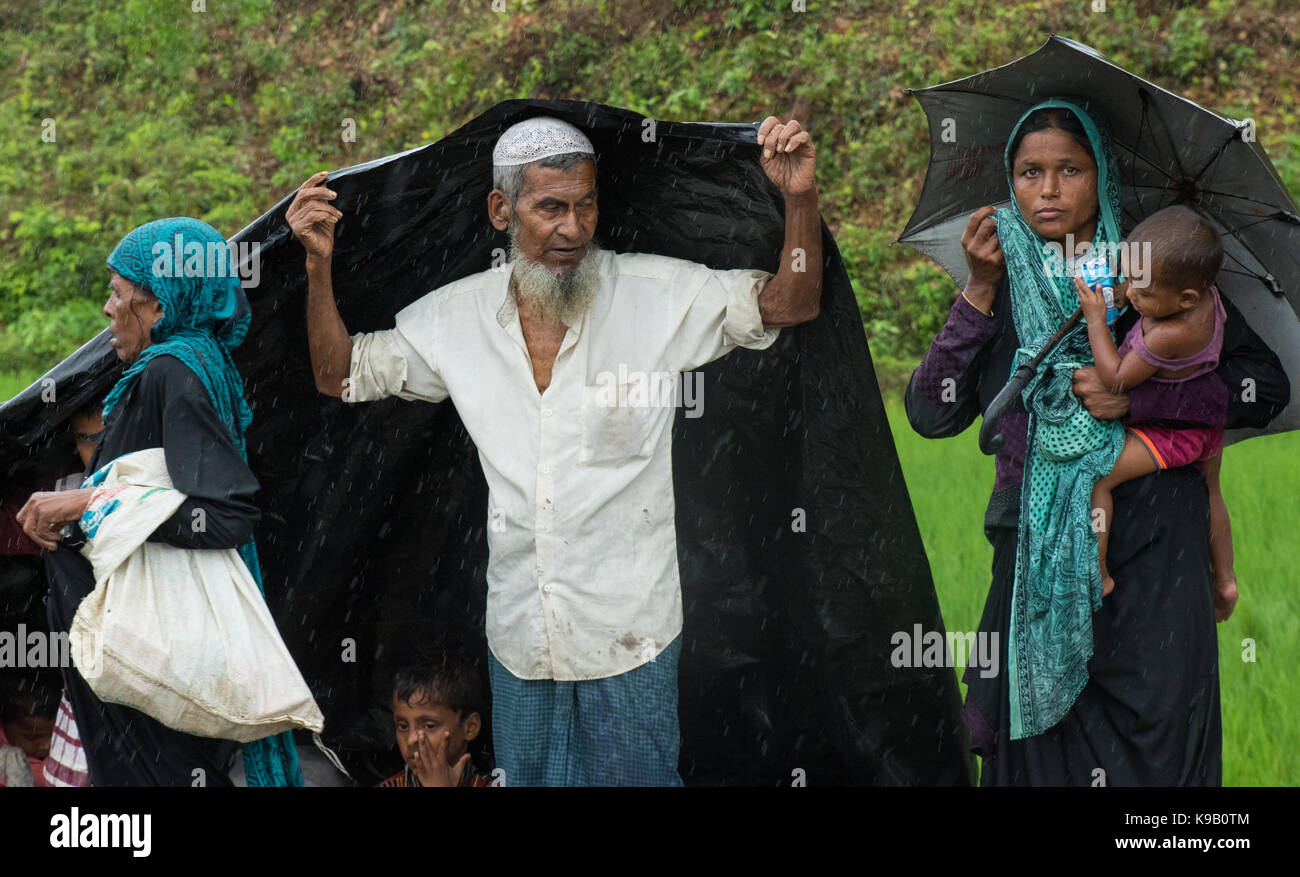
{"type": "Point", "coordinates": [1225, 598]}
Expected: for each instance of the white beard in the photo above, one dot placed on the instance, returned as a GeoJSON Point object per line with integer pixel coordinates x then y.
{"type": "Point", "coordinates": [564, 297]}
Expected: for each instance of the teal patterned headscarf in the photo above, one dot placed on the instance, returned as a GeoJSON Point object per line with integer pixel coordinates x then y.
{"type": "Point", "coordinates": [187, 265]}
{"type": "Point", "coordinates": [1058, 579]}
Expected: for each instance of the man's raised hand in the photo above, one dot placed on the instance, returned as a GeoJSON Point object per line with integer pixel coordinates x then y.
{"type": "Point", "coordinates": [312, 217]}
{"type": "Point", "coordinates": [789, 159]}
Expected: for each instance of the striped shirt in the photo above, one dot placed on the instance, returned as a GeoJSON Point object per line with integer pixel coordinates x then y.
{"type": "Point", "coordinates": [66, 764]}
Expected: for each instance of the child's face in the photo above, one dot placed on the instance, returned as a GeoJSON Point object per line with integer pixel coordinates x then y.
{"type": "Point", "coordinates": [31, 734]}
{"type": "Point", "coordinates": [1156, 299]}
{"type": "Point", "coordinates": [433, 719]}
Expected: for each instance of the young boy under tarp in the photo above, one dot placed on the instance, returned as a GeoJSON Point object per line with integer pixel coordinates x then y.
{"type": "Point", "coordinates": [437, 700]}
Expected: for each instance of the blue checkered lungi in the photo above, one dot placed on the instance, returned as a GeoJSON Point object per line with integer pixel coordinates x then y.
{"type": "Point", "coordinates": [617, 731]}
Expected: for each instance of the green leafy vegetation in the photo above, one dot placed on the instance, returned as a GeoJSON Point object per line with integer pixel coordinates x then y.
{"type": "Point", "coordinates": [161, 110]}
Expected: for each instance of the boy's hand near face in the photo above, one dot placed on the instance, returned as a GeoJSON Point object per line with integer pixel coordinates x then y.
{"type": "Point", "coordinates": [430, 761]}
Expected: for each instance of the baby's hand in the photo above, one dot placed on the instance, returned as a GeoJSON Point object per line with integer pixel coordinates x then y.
{"type": "Point", "coordinates": [1092, 302]}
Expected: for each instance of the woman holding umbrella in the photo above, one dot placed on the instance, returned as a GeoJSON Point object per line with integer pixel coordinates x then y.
{"type": "Point", "coordinates": [1145, 709]}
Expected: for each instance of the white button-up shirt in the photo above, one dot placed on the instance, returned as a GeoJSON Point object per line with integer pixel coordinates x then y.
{"type": "Point", "coordinates": [582, 567]}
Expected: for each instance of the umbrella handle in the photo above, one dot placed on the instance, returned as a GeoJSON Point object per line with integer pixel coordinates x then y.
{"type": "Point", "coordinates": [991, 441]}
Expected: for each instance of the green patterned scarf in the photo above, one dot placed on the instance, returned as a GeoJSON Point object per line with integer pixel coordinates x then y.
{"type": "Point", "coordinates": [1058, 579]}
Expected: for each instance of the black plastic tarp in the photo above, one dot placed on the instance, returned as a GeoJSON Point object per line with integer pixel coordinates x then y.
{"type": "Point", "coordinates": [373, 534]}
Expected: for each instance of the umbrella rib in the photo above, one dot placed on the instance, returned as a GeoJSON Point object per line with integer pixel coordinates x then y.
{"type": "Point", "coordinates": [1215, 158]}
{"type": "Point", "coordinates": [1244, 269]}
{"type": "Point", "coordinates": [1204, 191]}
{"type": "Point", "coordinates": [1278, 212]}
{"type": "Point", "coordinates": [1211, 162]}
{"type": "Point", "coordinates": [1237, 229]}
{"type": "Point", "coordinates": [1266, 278]}
{"type": "Point", "coordinates": [1207, 191]}
{"type": "Point", "coordinates": [1137, 156]}
{"type": "Point", "coordinates": [1133, 150]}
{"type": "Point", "coordinates": [1144, 124]}
{"type": "Point", "coordinates": [1242, 273]}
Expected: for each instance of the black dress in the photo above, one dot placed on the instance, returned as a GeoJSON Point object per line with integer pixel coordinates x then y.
{"type": "Point", "coordinates": [1149, 714]}
{"type": "Point", "coordinates": [168, 407]}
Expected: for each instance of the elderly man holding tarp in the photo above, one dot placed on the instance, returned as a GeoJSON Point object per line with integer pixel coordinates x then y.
{"type": "Point", "coordinates": [552, 364]}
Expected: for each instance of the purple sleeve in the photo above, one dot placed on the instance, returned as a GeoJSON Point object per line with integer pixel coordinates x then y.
{"type": "Point", "coordinates": [953, 350]}
{"type": "Point", "coordinates": [1201, 400]}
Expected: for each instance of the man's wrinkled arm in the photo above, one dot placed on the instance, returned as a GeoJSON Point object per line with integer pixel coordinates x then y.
{"type": "Point", "coordinates": [327, 336]}
{"type": "Point", "coordinates": [794, 295]}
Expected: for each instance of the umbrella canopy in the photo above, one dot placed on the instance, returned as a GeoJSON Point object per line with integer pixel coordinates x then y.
{"type": "Point", "coordinates": [801, 561]}
{"type": "Point", "coordinates": [1169, 151]}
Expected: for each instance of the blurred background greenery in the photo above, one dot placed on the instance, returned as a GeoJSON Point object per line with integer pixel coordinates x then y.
{"type": "Point", "coordinates": [159, 110]}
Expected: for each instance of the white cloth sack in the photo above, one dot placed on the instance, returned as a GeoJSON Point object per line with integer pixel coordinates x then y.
{"type": "Point", "coordinates": [182, 635]}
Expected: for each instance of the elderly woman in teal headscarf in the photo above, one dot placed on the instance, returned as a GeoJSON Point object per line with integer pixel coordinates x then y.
{"type": "Point", "coordinates": [176, 311]}
{"type": "Point", "coordinates": [1122, 691]}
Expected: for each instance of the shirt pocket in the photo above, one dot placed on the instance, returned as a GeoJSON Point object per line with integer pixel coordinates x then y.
{"type": "Point", "coordinates": [614, 430]}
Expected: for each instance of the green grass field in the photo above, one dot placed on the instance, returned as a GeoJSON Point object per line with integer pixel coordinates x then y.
{"type": "Point", "coordinates": [950, 481]}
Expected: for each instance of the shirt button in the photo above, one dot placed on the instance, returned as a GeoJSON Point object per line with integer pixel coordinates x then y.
{"type": "Point", "coordinates": [546, 589]}
{"type": "Point", "coordinates": [546, 412]}
{"type": "Point", "coordinates": [546, 470]}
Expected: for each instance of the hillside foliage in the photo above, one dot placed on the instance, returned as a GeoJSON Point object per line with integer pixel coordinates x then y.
{"type": "Point", "coordinates": [124, 111]}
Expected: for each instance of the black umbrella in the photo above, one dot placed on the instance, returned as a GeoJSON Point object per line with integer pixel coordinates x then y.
{"type": "Point", "coordinates": [1169, 151]}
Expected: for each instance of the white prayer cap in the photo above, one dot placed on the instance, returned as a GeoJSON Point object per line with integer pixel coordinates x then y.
{"type": "Point", "coordinates": [537, 138]}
